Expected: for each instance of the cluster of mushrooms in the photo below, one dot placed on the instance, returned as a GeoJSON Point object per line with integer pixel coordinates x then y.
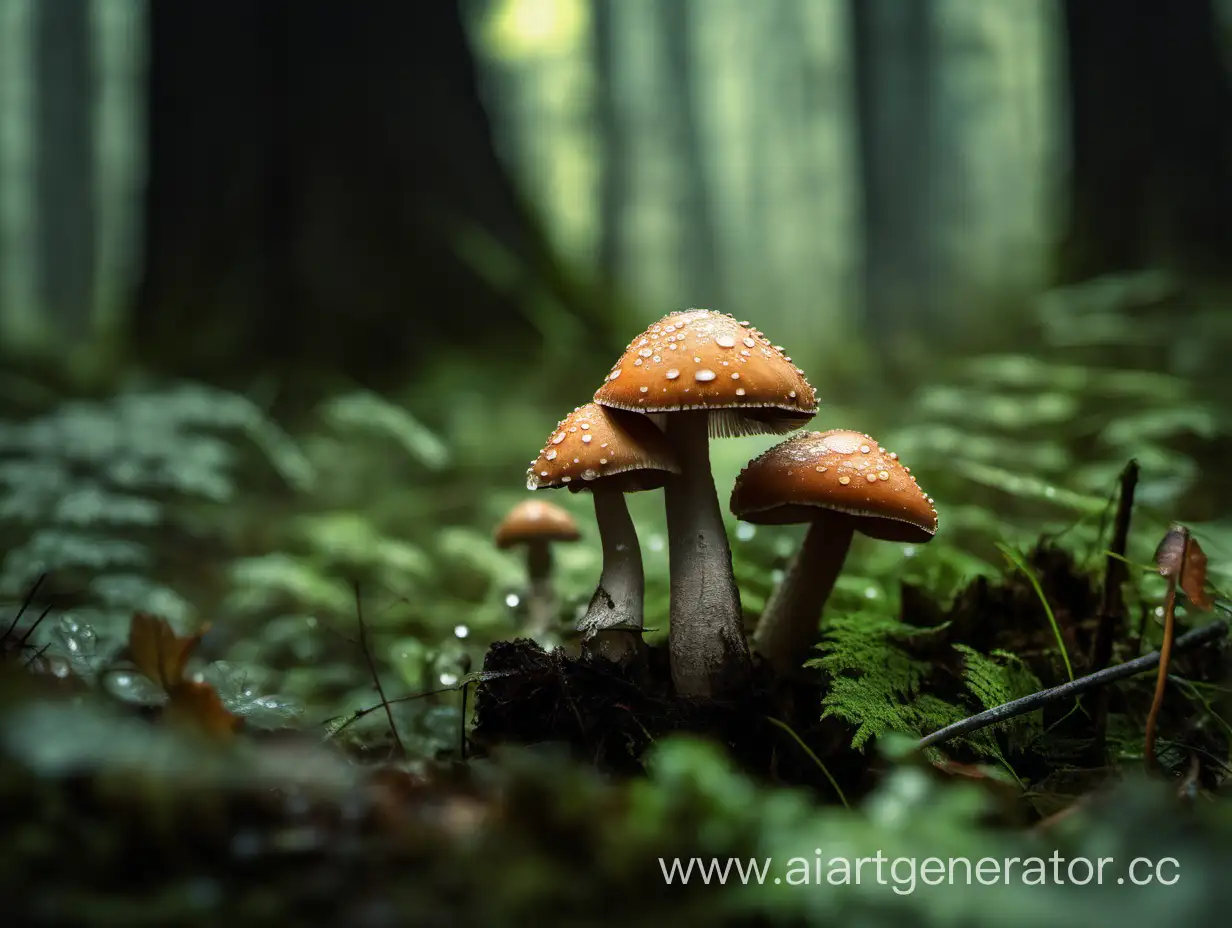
{"type": "Point", "coordinates": [692, 376]}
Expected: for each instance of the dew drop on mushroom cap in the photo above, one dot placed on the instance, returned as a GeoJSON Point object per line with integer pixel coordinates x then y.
{"type": "Point", "coordinates": [700, 359]}
{"type": "Point", "coordinates": [594, 446]}
{"type": "Point", "coordinates": [841, 471]}
{"type": "Point", "coordinates": [839, 482]}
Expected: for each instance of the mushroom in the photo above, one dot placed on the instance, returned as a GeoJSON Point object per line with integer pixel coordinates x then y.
{"type": "Point", "coordinates": [610, 453]}
{"type": "Point", "coordinates": [708, 375]}
{"type": "Point", "coordinates": [839, 482]}
{"type": "Point", "coordinates": [537, 524]}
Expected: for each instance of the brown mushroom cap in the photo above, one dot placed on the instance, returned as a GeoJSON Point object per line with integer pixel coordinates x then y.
{"type": "Point", "coordinates": [535, 520]}
{"type": "Point", "coordinates": [701, 359]}
{"type": "Point", "coordinates": [838, 470]}
{"type": "Point", "coordinates": [597, 445]}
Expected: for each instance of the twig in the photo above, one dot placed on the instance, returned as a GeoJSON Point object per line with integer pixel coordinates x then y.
{"type": "Point", "coordinates": [1112, 604]}
{"type": "Point", "coordinates": [476, 677]}
{"type": "Point", "coordinates": [1196, 638]}
{"type": "Point", "coordinates": [462, 723]}
{"type": "Point", "coordinates": [25, 604]}
{"type": "Point", "coordinates": [376, 677]}
{"type": "Point", "coordinates": [33, 625]}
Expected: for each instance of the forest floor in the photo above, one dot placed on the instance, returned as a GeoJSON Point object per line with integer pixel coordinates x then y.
{"type": "Point", "coordinates": [576, 780]}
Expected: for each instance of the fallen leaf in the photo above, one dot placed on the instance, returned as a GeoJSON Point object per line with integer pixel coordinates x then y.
{"type": "Point", "coordinates": [198, 705]}
{"type": "Point", "coordinates": [159, 653]}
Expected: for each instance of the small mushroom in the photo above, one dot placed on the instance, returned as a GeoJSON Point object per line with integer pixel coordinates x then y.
{"type": "Point", "coordinates": [707, 375]}
{"type": "Point", "coordinates": [537, 524]}
{"type": "Point", "coordinates": [610, 453]}
{"type": "Point", "coordinates": [839, 482]}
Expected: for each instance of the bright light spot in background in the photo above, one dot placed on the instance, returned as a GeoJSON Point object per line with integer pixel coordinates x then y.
{"type": "Point", "coordinates": [512, 600]}
{"type": "Point", "coordinates": [461, 631]}
{"type": "Point", "coordinates": [655, 543]}
{"type": "Point", "coordinates": [522, 28]}
{"type": "Point", "coordinates": [448, 679]}
{"type": "Point", "coordinates": [745, 531]}
{"type": "Point", "coordinates": [871, 593]}
{"type": "Point", "coordinates": [909, 551]}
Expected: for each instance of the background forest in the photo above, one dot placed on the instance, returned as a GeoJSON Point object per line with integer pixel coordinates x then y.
{"type": "Point", "coordinates": [291, 292]}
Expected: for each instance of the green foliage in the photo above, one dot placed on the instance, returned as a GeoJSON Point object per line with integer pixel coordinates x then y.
{"type": "Point", "coordinates": [93, 491]}
{"type": "Point", "coordinates": [874, 682]}
{"type": "Point", "coordinates": [1000, 677]}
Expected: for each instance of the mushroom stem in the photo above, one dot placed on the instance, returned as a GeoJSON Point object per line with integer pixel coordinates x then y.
{"type": "Point", "coordinates": [541, 608]}
{"type": "Point", "coordinates": [788, 625]}
{"type": "Point", "coordinates": [709, 653]}
{"type": "Point", "coordinates": [613, 621]}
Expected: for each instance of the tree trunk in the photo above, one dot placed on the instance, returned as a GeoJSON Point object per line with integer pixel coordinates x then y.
{"type": "Point", "coordinates": [64, 167]}
{"type": "Point", "coordinates": [323, 192]}
{"type": "Point", "coordinates": [1150, 111]}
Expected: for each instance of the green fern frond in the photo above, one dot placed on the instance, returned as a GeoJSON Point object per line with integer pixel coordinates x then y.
{"type": "Point", "coordinates": [998, 678]}
{"type": "Point", "coordinates": [875, 684]}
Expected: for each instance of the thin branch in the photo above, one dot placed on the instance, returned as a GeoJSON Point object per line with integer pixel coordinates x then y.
{"type": "Point", "coordinates": [1206, 634]}
{"type": "Point", "coordinates": [25, 604]}
{"type": "Point", "coordinates": [376, 677]}
{"type": "Point", "coordinates": [33, 625]}
{"type": "Point", "coordinates": [476, 677]}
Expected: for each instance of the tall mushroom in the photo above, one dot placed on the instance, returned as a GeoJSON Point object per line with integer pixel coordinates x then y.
{"type": "Point", "coordinates": [537, 524]}
{"type": "Point", "coordinates": [839, 482]}
{"type": "Point", "coordinates": [610, 453]}
{"type": "Point", "coordinates": [708, 375]}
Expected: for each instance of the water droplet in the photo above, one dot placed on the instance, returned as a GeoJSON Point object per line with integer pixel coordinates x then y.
{"type": "Point", "coordinates": [602, 461]}
{"type": "Point", "coordinates": [558, 438]}
{"type": "Point", "coordinates": [566, 479]}
{"type": "Point", "coordinates": [586, 439]}
{"type": "Point", "coordinates": [697, 360]}
{"type": "Point", "coordinates": [821, 468]}
{"type": "Point", "coordinates": [657, 358]}
{"type": "Point", "coordinates": [585, 426]}
{"type": "Point", "coordinates": [672, 374]}
{"type": "Point", "coordinates": [740, 391]}
{"type": "Point", "coordinates": [725, 341]}
{"type": "Point", "coordinates": [792, 394]}
{"type": "Point", "coordinates": [543, 473]}
{"type": "Point", "coordinates": [614, 374]}
{"type": "Point", "coordinates": [672, 347]}
{"type": "Point", "coordinates": [893, 456]}
{"type": "Point", "coordinates": [865, 449]}
{"type": "Point", "coordinates": [872, 478]}
{"type": "Point", "coordinates": [883, 474]}
{"type": "Point", "coordinates": [749, 343]}
{"type": "Point", "coordinates": [589, 474]}
{"type": "Point", "coordinates": [637, 362]}
{"type": "Point", "coordinates": [735, 376]}
{"type": "Point", "coordinates": [703, 374]}
{"type": "Point", "coordinates": [844, 480]}
{"type": "Point", "coordinates": [645, 352]}
{"type": "Point", "coordinates": [550, 455]}
{"type": "Point", "coordinates": [645, 389]}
